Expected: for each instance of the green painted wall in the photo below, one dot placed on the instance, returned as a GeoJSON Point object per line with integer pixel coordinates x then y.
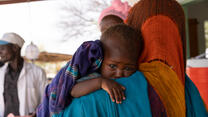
{"type": "Point", "coordinates": [187, 33]}
{"type": "Point", "coordinates": [187, 2]}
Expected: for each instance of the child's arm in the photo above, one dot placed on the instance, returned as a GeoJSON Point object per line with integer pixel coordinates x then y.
{"type": "Point", "coordinates": [115, 90]}
{"type": "Point", "coordinates": [85, 87]}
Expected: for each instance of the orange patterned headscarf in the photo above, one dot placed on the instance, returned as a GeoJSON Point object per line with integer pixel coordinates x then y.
{"type": "Point", "coordinates": [162, 23]}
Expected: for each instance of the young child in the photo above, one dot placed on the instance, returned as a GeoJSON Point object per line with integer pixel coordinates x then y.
{"type": "Point", "coordinates": [119, 66]}
{"type": "Point", "coordinates": [120, 43]}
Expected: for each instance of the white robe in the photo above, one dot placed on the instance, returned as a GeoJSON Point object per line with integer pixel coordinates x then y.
{"type": "Point", "coordinates": [30, 85]}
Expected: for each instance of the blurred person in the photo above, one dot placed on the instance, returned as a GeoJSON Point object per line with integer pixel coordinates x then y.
{"type": "Point", "coordinates": [115, 14]}
{"type": "Point", "coordinates": [21, 83]}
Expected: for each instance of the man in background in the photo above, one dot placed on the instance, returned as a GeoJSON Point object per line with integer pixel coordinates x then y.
{"type": "Point", "coordinates": [21, 84]}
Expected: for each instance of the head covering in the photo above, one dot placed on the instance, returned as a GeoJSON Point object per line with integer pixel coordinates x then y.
{"type": "Point", "coordinates": [152, 17]}
{"type": "Point", "coordinates": [117, 8]}
{"type": "Point", "coordinates": [162, 24]}
{"type": "Point", "coordinates": [12, 38]}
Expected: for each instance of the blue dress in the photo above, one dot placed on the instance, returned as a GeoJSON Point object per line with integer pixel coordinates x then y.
{"type": "Point", "coordinates": [99, 104]}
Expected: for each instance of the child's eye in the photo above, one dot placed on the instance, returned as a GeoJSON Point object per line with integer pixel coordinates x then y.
{"type": "Point", "coordinates": [112, 66]}
{"type": "Point", "coordinates": [128, 69]}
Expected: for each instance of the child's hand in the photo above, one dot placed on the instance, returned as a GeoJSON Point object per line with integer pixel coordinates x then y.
{"type": "Point", "coordinates": [115, 90]}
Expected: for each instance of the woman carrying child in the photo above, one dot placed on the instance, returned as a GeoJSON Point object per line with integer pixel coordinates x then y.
{"type": "Point", "coordinates": [58, 91]}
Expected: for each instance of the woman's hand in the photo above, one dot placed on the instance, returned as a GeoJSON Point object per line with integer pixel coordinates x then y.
{"type": "Point", "coordinates": [115, 90]}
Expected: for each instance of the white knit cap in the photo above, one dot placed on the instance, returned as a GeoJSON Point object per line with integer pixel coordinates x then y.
{"type": "Point", "coordinates": [12, 38]}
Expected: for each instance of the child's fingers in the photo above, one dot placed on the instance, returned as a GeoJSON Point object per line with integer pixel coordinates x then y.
{"type": "Point", "coordinates": [120, 91]}
{"type": "Point", "coordinates": [111, 95]}
{"type": "Point", "coordinates": [117, 95]}
{"type": "Point", "coordinates": [123, 87]}
{"type": "Point", "coordinates": [123, 95]}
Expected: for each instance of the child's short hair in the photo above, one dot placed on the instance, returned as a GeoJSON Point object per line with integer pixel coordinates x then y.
{"type": "Point", "coordinates": [126, 33]}
{"type": "Point", "coordinates": [113, 17]}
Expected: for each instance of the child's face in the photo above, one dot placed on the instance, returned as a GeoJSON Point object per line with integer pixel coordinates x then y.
{"type": "Point", "coordinates": [118, 61]}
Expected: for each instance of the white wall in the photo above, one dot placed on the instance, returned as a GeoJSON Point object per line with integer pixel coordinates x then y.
{"type": "Point", "coordinates": [200, 12]}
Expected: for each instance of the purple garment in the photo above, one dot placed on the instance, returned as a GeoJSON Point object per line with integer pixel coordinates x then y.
{"type": "Point", "coordinates": [86, 60]}
{"type": "Point", "coordinates": [156, 105]}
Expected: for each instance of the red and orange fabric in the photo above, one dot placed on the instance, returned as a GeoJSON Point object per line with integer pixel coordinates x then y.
{"type": "Point", "coordinates": [163, 60]}
{"type": "Point", "coordinates": [167, 29]}
{"type": "Point", "coordinates": [162, 41]}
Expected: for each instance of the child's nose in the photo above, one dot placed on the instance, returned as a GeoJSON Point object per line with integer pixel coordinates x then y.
{"type": "Point", "coordinates": [119, 73]}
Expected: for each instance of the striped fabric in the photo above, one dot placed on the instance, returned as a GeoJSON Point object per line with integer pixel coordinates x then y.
{"type": "Point", "coordinates": [86, 60]}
